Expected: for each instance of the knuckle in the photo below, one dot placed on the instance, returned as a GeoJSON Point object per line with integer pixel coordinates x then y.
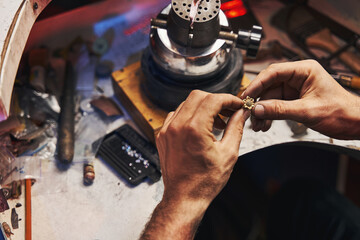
{"type": "Point", "coordinates": [161, 133]}
{"type": "Point", "coordinates": [279, 110]}
{"type": "Point", "coordinates": [168, 117]}
{"type": "Point", "coordinates": [311, 62]}
{"type": "Point", "coordinates": [210, 97]}
{"type": "Point", "coordinates": [272, 71]}
{"type": "Point", "coordinates": [172, 129]}
{"type": "Point", "coordinates": [262, 73]}
{"type": "Point", "coordinates": [192, 128]}
{"type": "Point", "coordinates": [196, 92]}
{"type": "Point", "coordinates": [273, 67]}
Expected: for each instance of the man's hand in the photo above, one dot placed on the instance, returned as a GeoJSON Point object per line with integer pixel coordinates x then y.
{"type": "Point", "coordinates": [195, 166]}
{"type": "Point", "coordinates": [304, 92]}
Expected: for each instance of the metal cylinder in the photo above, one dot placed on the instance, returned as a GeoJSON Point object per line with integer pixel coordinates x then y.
{"type": "Point", "coordinates": [185, 63]}
{"type": "Point", "coordinates": [202, 32]}
{"type": "Point", "coordinates": [185, 55]}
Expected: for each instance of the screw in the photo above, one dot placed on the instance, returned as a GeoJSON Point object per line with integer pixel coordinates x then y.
{"type": "Point", "coordinates": [35, 6]}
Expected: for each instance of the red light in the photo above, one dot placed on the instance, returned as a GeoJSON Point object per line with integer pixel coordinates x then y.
{"type": "Point", "coordinates": [234, 8]}
{"type": "Point", "coordinates": [235, 13]}
{"type": "Point", "coordinates": [231, 5]}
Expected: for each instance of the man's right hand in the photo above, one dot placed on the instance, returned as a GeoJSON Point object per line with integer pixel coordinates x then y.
{"type": "Point", "coordinates": [304, 92]}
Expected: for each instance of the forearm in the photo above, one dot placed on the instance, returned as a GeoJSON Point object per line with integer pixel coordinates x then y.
{"type": "Point", "coordinates": [177, 221]}
{"type": "Point", "coordinates": [355, 118]}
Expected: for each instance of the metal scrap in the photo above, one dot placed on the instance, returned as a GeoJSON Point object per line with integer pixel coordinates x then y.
{"type": "Point", "coordinates": [3, 201]}
{"type": "Point", "coordinates": [14, 219]}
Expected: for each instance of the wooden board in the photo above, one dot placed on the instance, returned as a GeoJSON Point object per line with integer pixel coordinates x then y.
{"type": "Point", "coordinates": [148, 117]}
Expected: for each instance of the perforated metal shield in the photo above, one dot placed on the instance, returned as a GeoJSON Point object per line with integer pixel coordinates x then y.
{"type": "Point", "coordinates": [207, 10]}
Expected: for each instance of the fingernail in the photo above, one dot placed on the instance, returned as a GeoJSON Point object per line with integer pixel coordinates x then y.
{"type": "Point", "coordinates": [259, 111]}
{"type": "Point", "coordinates": [242, 95]}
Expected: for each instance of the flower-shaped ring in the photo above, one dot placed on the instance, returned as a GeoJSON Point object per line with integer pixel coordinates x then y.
{"type": "Point", "coordinates": [249, 103]}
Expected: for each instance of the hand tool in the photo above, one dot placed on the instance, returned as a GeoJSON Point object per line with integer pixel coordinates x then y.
{"type": "Point", "coordinates": [28, 224]}
{"type": "Point", "coordinates": [347, 80]}
{"type": "Point", "coordinates": [65, 144]}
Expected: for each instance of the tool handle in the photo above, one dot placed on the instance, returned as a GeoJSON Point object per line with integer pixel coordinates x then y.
{"type": "Point", "coordinates": [323, 40]}
{"type": "Point", "coordinates": [28, 224]}
{"type": "Point", "coordinates": [66, 141]}
{"type": "Point", "coordinates": [355, 83]}
{"type": "Point", "coordinates": [348, 81]}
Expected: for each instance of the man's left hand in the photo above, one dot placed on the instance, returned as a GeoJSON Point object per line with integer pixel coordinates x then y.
{"type": "Point", "coordinates": [195, 166]}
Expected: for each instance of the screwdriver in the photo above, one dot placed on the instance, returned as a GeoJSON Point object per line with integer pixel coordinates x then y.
{"type": "Point", "coordinates": [347, 81]}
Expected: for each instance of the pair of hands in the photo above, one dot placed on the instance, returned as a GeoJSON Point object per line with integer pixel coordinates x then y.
{"type": "Point", "coordinates": [195, 166]}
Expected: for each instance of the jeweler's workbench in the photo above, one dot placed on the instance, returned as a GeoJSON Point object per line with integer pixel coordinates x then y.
{"type": "Point", "coordinates": [62, 206]}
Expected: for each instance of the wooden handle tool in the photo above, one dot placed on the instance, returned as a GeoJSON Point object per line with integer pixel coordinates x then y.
{"type": "Point", "coordinates": [66, 139]}
{"type": "Point", "coordinates": [348, 81]}
{"type": "Point", "coordinates": [28, 224]}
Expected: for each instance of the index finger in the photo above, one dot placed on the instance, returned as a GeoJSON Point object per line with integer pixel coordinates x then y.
{"type": "Point", "coordinates": [213, 104]}
{"type": "Point", "coordinates": [293, 73]}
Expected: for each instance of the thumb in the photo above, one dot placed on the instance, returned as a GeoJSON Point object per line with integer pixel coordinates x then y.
{"type": "Point", "coordinates": [234, 129]}
{"type": "Point", "coordinates": [280, 109]}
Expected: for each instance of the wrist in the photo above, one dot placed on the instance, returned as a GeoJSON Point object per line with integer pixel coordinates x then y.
{"type": "Point", "coordinates": [186, 209]}
{"type": "Point", "coordinates": [175, 219]}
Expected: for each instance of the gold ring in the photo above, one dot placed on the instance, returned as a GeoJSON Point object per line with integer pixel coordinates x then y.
{"type": "Point", "coordinates": [249, 103]}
